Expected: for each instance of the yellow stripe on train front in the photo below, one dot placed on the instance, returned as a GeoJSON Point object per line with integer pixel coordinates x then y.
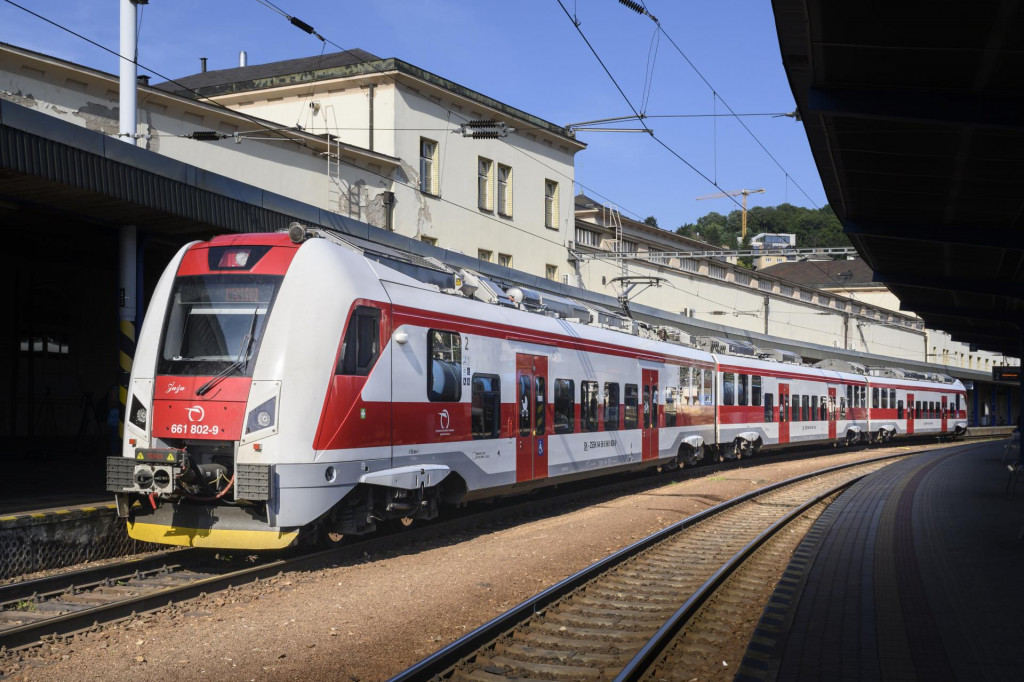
{"type": "Point", "coordinates": [211, 538]}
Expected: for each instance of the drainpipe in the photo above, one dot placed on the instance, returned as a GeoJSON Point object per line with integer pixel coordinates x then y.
{"type": "Point", "coordinates": [371, 87]}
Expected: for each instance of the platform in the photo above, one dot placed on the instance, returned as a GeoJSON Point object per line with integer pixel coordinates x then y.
{"type": "Point", "coordinates": [914, 573]}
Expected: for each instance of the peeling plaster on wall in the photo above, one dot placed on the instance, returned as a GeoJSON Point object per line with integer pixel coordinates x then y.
{"type": "Point", "coordinates": [376, 212]}
{"type": "Point", "coordinates": [424, 223]}
{"type": "Point", "coordinates": [18, 98]}
{"type": "Point", "coordinates": [99, 118]}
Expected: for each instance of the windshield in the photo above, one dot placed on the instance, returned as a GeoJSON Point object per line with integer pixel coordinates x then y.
{"type": "Point", "coordinates": [214, 321]}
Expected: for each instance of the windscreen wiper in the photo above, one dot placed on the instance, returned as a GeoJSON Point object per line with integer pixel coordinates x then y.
{"type": "Point", "coordinates": [239, 363]}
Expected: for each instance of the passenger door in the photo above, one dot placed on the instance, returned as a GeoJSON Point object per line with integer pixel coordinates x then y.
{"type": "Point", "coordinates": [910, 414]}
{"type": "Point", "coordinates": [532, 417]}
{"type": "Point", "coordinates": [945, 414]}
{"type": "Point", "coordinates": [784, 413]}
{"type": "Point", "coordinates": [831, 413]}
{"type": "Point", "coordinates": [650, 416]}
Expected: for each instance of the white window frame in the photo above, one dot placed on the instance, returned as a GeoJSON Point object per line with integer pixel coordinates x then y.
{"type": "Point", "coordinates": [551, 218]}
{"type": "Point", "coordinates": [428, 167]}
{"type": "Point", "coordinates": [484, 184]}
{"type": "Point", "coordinates": [504, 192]}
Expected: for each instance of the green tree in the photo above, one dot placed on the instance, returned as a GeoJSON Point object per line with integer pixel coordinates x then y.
{"type": "Point", "coordinates": [651, 220]}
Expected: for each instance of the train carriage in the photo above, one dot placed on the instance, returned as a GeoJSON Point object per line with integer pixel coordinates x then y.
{"type": "Point", "coordinates": [290, 386]}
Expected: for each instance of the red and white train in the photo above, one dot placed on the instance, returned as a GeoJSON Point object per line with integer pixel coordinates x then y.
{"type": "Point", "coordinates": [289, 385]}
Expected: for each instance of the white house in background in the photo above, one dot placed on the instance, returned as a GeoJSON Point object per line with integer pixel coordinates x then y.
{"type": "Point", "coordinates": [503, 199]}
{"type": "Point", "coordinates": [768, 241]}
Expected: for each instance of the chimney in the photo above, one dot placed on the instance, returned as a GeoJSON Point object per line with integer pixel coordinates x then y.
{"type": "Point", "coordinates": [202, 60]}
{"type": "Point", "coordinates": [143, 80]}
{"type": "Point", "coordinates": [243, 58]}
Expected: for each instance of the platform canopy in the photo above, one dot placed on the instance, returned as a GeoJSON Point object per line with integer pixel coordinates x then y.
{"type": "Point", "coordinates": [915, 117]}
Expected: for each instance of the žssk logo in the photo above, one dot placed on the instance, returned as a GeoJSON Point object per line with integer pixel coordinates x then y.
{"type": "Point", "coordinates": [443, 423]}
{"type": "Point", "coordinates": [196, 413]}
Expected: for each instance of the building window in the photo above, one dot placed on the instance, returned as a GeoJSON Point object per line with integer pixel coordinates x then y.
{"type": "Point", "coordinates": [505, 190]}
{"type": "Point", "coordinates": [689, 264]}
{"type": "Point", "coordinates": [551, 204]}
{"type": "Point", "coordinates": [444, 367]}
{"type": "Point", "coordinates": [805, 295]}
{"type": "Point", "coordinates": [484, 255]}
{"type": "Point", "coordinates": [785, 290]}
{"type": "Point", "coordinates": [551, 272]}
{"type": "Point", "coordinates": [565, 419]}
{"type": "Point", "coordinates": [486, 410]}
{"type": "Point", "coordinates": [716, 271]}
{"type": "Point", "coordinates": [428, 166]}
{"type": "Point", "coordinates": [628, 246]}
{"type": "Point", "coordinates": [657, 256]}
{"type": "Point", "coordinates": [586, 237]}
{"type": "Point", "coordinates": [484, 184]}
{"type": "Point", "coordinates": [764, 284]}
{"type": "Point", "coordinates": [742, 278]}
{"type": "Point", "coordinates": [505, 260]}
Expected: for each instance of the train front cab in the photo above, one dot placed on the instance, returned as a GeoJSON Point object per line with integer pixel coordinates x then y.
{"type": "Point", "coordinates": [193, 401]}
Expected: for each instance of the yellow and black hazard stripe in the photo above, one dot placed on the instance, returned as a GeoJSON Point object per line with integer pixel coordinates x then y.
{"type": "Point", "coordinates": [126, 353]}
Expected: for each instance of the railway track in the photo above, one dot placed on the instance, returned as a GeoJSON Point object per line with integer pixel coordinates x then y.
{"type": "Point", "coordinates": [73, 601]}
{"type": "Point", "coordinates": [619, 617]}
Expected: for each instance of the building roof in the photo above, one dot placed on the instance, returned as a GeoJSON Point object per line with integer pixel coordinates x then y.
{"type": "Point", "coordinates": [336, 65]}
{"type": "Point", "coordinates": [825, 274]}
{"type": "Point", "coordinates": [914, 120]}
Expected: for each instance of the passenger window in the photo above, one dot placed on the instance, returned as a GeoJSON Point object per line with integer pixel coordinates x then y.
{"type": "Point", "coordinates": [486, 412]}
{"type": "Point", "coordinates": [588, 405]}
{"type": "Point", "coordinates": [684, 386]}
{"type": "Point", "coordinates": [769, 414]}
{"type": "Point", "coordinates": [885, 399]}
{"type": "Point", "coordinates": [899, 410]}
{"type": "Point", "coordinates": [565, 417]}
{"type": "Point", "coordinates": [806, 405]}
{"type": "Point", "coordinates": [824, 407]}
{"type": "Point", "coordinates": [755, 391]}
{"type": "Point", "coordinates": [670, 406]}
{"type": "Point", "coordinates": [361, 346]}
{"type": "Point", "coordinates": [525, 395]}
{"type": "Point", "coordinates": [815, 415]}
{"type": "Point", "coordinates": [742, 386]}
{"type": "Point", "coordinates": [611, 407]}
{"type": "Point", "coordinates": [874, 398]}
{"type": "Point", "coordinates": [892, 398]}
{"type": "Point", "coordinates": [708, 395]}
{"type": "Point", "coordinates": [540, 421]}
{"type": "Point", "coordinates": [728, 388]}
{"type": "Point", "coordinates": [842, 407]}
{"type": "Point", "coordinates": [632, 394]}
{"type": "Point", "coordinates": [783, 407]}
{"type": "Point", "coordinates": [444, 369]}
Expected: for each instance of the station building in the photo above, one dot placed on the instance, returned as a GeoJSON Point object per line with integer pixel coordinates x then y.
{"type": "Point", "coordinates": [377, 149]}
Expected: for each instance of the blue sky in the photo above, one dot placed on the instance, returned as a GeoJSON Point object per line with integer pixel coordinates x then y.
{"type": "Point", "coordinates": [529, 55]}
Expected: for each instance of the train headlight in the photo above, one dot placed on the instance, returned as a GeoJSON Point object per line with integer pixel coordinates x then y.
{"type": "Point", "coordinates": [261, 417]}
{"type": "Point", "coordinates": [138, 414]}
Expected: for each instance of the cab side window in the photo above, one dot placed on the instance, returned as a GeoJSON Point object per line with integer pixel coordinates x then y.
{"type": "Point", "coordinates": [361, 347]}
{"type": "Point", "coordinates": [444, 366]}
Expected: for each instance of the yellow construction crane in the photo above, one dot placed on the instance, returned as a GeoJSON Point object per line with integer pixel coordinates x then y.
{"type": "Point", "coordinates": [736, 193]}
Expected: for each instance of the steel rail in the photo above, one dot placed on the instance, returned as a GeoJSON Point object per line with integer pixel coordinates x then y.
{"type": "Point", "coordinates": [87, 577]}
{"type": "Point", "coordinates": [443, 659]}
{"type": "Point", "coordinates": [641, 663]}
